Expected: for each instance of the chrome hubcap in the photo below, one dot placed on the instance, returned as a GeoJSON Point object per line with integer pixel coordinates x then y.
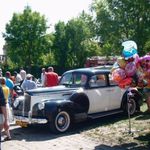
{"type": "Point", "coordinates": [61, 121]}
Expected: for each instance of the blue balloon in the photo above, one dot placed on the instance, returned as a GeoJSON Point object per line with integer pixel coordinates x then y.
{"type": "Point", "coordinates": [129, 53]}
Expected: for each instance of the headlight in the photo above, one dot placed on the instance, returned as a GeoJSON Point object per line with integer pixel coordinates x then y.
{"type": "Point", "coordinates": [41, 106]}
{"type": "Point", "coordinates": [16, 103]}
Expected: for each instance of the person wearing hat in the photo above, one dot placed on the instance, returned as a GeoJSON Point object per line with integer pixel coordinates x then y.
{"type": "Point", "coordinates": [28, 83]}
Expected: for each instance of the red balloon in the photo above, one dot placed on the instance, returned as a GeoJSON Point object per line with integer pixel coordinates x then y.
{"type": "Point", "coordinates": [125, 82]}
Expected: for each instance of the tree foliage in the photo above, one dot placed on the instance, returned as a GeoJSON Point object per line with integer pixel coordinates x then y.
{"type": "Point", "coordinates": [79, 38]}
{"type": "Point", "coordinates": [100, 33]}
{"type": "Point", "coordinates": [117, 21]}
{"type": "Point", "coordinates": [25, 37]}
{"type": "Point", "coordinates": [73, 41]}
{"type": "Point", "coordinates": [60, 45]}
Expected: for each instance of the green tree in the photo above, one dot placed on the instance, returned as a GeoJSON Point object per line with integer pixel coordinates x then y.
{"type": "Point", "coordinates": [147, 47]}
{"type": "Point", "coordinates": [79, 36]}
{"type": "Point", "coordinates": [60, 45]}
{"type": "Point", "coordinates": [117, 21]}
{"type": "Point", "coordinates": [74, 41]}
{"type": "Point", "coordinates": [47, 58]}
{"type": "Point", "coordinates": [26, 38]}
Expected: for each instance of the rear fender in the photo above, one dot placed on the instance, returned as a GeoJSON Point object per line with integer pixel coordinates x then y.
{"type": "Point", "coordinates": [135, 94]}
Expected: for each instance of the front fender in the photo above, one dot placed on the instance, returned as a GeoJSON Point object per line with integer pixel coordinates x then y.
{"type": "Point", "coordinates": [53, 107]}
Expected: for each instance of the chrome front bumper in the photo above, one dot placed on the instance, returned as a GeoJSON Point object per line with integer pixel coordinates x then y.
{"type": "Point", "coordinates": [29, 120]}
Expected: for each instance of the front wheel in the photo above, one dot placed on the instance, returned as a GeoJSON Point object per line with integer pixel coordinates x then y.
{"type": "Point", "coordinates": [61, 122]}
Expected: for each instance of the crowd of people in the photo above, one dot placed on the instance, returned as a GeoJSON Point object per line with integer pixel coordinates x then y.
{"type": "Point", "coordinates": [26, 82]}
{"type": "Point", "coordinates": [7, 83]}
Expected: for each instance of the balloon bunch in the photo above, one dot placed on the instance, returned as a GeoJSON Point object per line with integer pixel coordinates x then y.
{"type": "Point", "coordinates": [145, 65]}
{"type": "Point", "coordinates": [130, 69]}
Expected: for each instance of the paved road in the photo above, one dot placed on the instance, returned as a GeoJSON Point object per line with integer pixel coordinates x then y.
{"type": "Point", "coordinates": [39, 138]}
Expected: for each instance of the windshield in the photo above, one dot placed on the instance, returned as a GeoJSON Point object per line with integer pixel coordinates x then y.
{"type": "Point", "coordinates": [74, 80]}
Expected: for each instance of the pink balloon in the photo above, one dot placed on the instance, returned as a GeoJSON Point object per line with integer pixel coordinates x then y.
{"type": "Point", "coordinates": [118, 74]}
{"type": "Point", "coordinates": [136, 58]}
{"type": "Point", "coordinates": [130, 69]}
{"type": "Point", "coordinates": [146, 57]}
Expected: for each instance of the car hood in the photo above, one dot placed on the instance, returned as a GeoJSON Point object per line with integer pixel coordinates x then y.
{"type": "Point", "coordinates": [55, 89]}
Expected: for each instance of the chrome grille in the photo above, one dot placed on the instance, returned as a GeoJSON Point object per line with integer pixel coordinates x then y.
{"type": "Point", "coordinates": [27, 104]}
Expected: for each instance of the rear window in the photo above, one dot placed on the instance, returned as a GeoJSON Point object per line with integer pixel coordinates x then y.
{"type": "Point", "coordinates": [98, 81]}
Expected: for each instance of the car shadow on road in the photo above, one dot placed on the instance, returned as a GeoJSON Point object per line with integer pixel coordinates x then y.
{"type": "Point", "coordinates": [42, 132]}
{"type": "Point", "coordinates": [143, 116]}
{"type": "Point", "coordinates": [94, 123]}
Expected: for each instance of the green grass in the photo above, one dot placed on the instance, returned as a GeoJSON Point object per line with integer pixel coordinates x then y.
{"type": "Point", "coordinates": [117, 132]}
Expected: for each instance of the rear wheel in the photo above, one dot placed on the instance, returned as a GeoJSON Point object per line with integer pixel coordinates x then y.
{"type": "Point", "coordinates": [131, 106]}
{"type": "Point", "coordinates": [61, 122]}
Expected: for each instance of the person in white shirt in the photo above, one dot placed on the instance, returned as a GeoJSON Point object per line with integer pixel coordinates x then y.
{"type": "Point", "coordinates": [22, 73]}
{"type": "Point", "coordinates": [18, 77]}
{"type": "Point", "coordinates": [28, 83]}
{"type": "Point", "coordinates": [1, 73]}
{"type": "Point", "coordinates": [43, 76]}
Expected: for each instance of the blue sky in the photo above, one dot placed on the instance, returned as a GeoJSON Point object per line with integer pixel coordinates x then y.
{"type": "Point", "coordinates": [54, 10]}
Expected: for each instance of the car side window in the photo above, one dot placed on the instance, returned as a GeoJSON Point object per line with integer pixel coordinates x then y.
{"type": "Point", "coordinates": [66, 79]}
{"type": "Point", "coordinates": [97, 81]}
{"type": "Point", "coordinates": [80, 79]}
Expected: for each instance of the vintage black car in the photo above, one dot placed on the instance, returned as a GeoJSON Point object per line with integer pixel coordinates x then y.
{"type": "Point", "coordinates": [81, 94]}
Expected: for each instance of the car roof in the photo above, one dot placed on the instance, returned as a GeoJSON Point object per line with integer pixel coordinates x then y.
{"type": "Point", "coordinates": [92, 70]}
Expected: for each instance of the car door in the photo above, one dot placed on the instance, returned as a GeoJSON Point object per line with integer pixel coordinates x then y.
{"type": "Point", "coordinates": [98, 94]}
{"type": "Point", "coordinates": [115, 94]}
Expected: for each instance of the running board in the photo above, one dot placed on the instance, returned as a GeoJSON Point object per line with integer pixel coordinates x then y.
{"type": "Point", "coordinates": [103, 114]}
